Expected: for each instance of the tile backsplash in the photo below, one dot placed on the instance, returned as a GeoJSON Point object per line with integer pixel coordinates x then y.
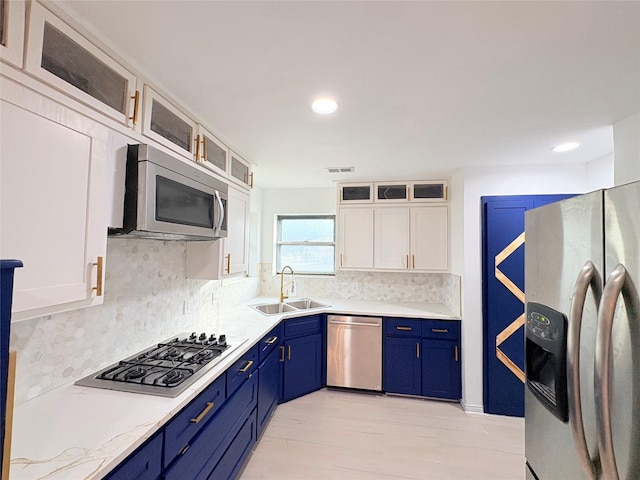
{"type": "Point", "coordinates": [147, 299]}
{"type": "Point", "coordinates": [381, 286]}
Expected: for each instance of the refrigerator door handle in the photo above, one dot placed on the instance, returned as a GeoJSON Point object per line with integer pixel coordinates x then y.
{"type": "Point", "coordinates": [619, 281]}
{"type": "Point", "coordinates": [587, 278]}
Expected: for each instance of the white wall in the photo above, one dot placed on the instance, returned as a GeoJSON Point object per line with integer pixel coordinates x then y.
{"type": "Point", "coordinates": [626, 141]}
{"type": "Point", "coordinates": [468, 186]}
{"type": "Point", "coordinates": [282, 201]}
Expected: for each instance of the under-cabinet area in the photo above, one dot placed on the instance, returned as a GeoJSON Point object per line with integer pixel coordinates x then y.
{"type": "Point", "coordinates": [209, 430]}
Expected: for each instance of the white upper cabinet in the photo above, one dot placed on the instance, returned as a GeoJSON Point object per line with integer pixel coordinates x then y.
{"type": "Point", "coordinates": [61, 57]}
{"type": "Point", "coordinates": [429, 191]}
{"type": "Point", "coordinates": [211, 152]}
{"type": "Point", "coordinates": [429, 238]}
{"type": "Point", "coordinates": [168, 125]}
{"type": "Point", "coordinates": [52, 202]}
{"type": "Point", "coordinates": [391, 192]}
{"type": "Point", "coordinates": [355, 238]}
{"type": "Point", "coordinates": [240, 171]}
{"type": "Point", "coordinates": [12, 19]}
{"type": "Point", "coordinates": [391, 243]}
{"type": "Point", "coordinates": [227, 256]}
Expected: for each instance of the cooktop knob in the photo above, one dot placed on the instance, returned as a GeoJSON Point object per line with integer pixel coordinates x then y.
{"type": "Point", "coordinates": [212, 338]}
{"type": "Point", "coordinates": [203, 336]}
{"type": "Point", "coordinates": [222, 340]}
{"type": "Point", "coordinates": [193, 336]}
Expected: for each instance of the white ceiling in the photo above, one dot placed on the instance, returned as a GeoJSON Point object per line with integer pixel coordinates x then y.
{"type": "Point", "coordinates": [425, 88]}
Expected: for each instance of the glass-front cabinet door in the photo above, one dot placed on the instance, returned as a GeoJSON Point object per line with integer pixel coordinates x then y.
{"type": "Point", "coordinates": [211, 152]}
{"type": "Point", "coordinates": [63, 58]}
{"type": "Point", "coordinates": [12, 31]}
{"type": "Point", "coordinates": [241, 171]}
{"type": "Point", "coordinates": [431, 191]}
{"type": "Point", "coordinates": [392, 192]}
{"type": "Point", "coordinates": [167, 125]}
{"type": "Point", "coordinates": [355, 193]}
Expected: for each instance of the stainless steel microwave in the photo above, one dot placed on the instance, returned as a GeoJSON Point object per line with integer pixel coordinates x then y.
{"type": "Point", "coordinates": [166, 198]}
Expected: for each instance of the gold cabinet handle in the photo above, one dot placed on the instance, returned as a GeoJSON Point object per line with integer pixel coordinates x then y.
{"type": "Point", "coordinates": [417, 349]}
{"type": "Point", "coordinates": [289, 353]}
{"type": "Point", "coordinates": [272, 340]}
{"type": "Point", "coordinates": [455, 352]}
{"type": "Point", "coordinates": [340, 259]}
{"type": "Point", "coordinates": [184, 450]}
{"type": "Point", "coordinates": [136, 107]}
{"type": "Point", "coordinates": [282, 353]}
{"type": "Point", "coordinates": [203, 413]}
{"type": "Point", "coordinates": [204, 148]}
{"type": "Point", "coordinates": [197, 142]}
{"type": "Point", "coordinates": [407, 262]}
{"type": "Point", "coordinates": [446, 192]}
{"type": "Point", "coordinates": [98, 287]}
{"type": "Point", "coordinates": [247, 366]}
{"type": "Point", "coordinates": [440, 330]}
{"type": "Point", "coordinates": [228, 263]}
{"type": "Point", "coordinates": [413, 262]}
{"type": "Point", "coordinates": [251, 180]}
{"type": "Point", "coordinates": [408, 329]}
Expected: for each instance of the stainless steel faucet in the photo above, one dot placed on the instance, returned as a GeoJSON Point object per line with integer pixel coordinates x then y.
{"type": "Point", "coordinates": [282, 284]}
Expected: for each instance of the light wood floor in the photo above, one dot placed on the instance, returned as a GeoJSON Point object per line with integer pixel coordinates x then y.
{"type": "Point", "coordinates": [337, 434]}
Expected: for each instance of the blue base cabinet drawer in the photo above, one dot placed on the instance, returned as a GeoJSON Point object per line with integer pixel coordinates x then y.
{"type": "Point", "coordinates": [271, 341]}
{"type": "Point", "coordinates": [442, 329]}
{"type": "Point", "coordinates": [403, 327]}
{"type": "Point", "coordinates": [231, 464]}
{"type": "Point", "coordinates": [303, 326]}
{"type": "Point", "coordinates": [144, 464]}
{"type": "Point", "coordinates": [184, 426]}
{"type": "Point", "coordinates": [241, 370]}
{"type": "Point", "coordinates": [206, 450]}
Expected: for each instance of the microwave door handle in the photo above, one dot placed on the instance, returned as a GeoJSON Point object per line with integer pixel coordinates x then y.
{"type": "Point", "coordinates": [619, 281]}
{"type": "Point", "coordinates": [221, 221]}
{"type": "Point", "coordinates": [587, 278]}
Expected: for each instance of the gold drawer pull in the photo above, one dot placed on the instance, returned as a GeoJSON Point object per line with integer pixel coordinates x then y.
{"type": "Point", "coordinates": [247, 366]}
{"type": "Point", "coordinates": [98, 287]}
{"type": "Point", "coordinates": [184, 450]}
{"type": "Point", "coordinates": [228, 263]}
{"type": "Point", "coordinates": [282, 352]}
{"type": "Point", "coordinates": [272, 340]}
{"type": "Point", "coordinates": [203, 413]}
{"type": "Point", "coordinates": [440, 330]}
{"type": "Point", "coordinates": [408, 329]}
{"type": "Point", "coordinates": [455, 352]}
{"type": "Point", "coordinates": [136, 107]}
{"type": "Point", "coordinates": [289, 356]}
{"type": "Point", "coordinates": [417, 350]}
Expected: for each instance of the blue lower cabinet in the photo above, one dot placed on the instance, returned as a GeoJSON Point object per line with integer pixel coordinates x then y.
{"type": "Point", "coordinates": [269, 387]}
{"type": "Point", "coordinates": [402, 365]}
{"type": "Point", "coordinates": [441, 369]}
{"type": "Point", "coordinates": [302, 370]}
{"type": "Point", "coordinates": [231, 464]}
{"type": "Point", "coordinates": [144, 464]}
{"type": "Point", "coordinates": [203, 454]}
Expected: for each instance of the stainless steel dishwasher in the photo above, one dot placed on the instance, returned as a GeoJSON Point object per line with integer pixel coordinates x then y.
{"type": "Point", "coordinates": [354, 352]}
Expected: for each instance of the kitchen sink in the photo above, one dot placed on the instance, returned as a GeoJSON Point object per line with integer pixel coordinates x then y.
{"type": "Point", "coordinates": [305, 304]}
{"type": "Point", "coordinates": [274, 308]}
{"type": "Point", "coordinates": [292, 306]}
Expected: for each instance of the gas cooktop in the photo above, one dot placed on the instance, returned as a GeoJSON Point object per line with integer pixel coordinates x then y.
{"type": "Point", "coordinates": [167, 368]}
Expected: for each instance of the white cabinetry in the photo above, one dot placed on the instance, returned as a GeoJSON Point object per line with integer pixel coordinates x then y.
{"type": "Point", "coordinates": [12, 31]}
{"type": "Point", "coordinates": [212, 153]}
{"type": "Point", "coordinates": [61, 57]}
{"type": "Point", "coordinates": [393, 233]}
{"type": "Point", "coordinates": [52, 201]}
{"type": "Point", "coordinates": [240, 171]}
{"type": "Point", "coordinates": [227, 256]}
{"type": "Point", "coordinates": [355, 238]}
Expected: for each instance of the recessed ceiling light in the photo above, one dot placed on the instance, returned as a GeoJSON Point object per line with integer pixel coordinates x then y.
{"type": "Point", "coordinates": [566, 147]}
{"type": "Point", "coordinates": [324, 106]}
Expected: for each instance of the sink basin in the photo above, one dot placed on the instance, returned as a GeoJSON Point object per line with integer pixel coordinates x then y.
{"type": "Point", "coordinates": [305, 304]}
{"type": "Point", "coordinates": [274, 308]}
{"type": "Point", "coordinates": [292, 306]}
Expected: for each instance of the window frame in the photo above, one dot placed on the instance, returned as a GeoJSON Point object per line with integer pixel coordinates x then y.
{"type": "Point", "coordinates": [278, 242]}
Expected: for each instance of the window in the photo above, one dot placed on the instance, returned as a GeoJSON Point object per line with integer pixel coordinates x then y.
{"type": "Point", "coordinates": [307, 243]}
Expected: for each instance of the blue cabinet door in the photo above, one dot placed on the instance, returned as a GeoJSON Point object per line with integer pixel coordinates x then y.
{"type": "Point", "coordinates": [302, 366]}
{"type": "Point", "coordinates": [402, 365]}
{"type": "Point", "coordinates": [269, 387]}
{"type": "Point", "coordinates": [144, 464]}
{"type": "Point", "coordinates": [440, 369]}
{"type": "Point", "coordinates": [503, 299]}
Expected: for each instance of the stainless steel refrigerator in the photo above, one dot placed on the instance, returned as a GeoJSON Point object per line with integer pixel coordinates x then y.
{"type": "Point", "coordinates": [582, 277]}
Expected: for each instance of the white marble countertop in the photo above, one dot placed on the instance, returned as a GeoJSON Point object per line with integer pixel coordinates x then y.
{"type": "Point", "coordinates": [76, 432]}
